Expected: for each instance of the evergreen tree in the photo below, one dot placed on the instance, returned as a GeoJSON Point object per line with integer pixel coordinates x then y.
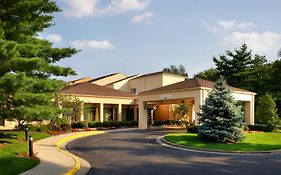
{"type": "Point", "coordinates": [221, 120]}
{"type": "Point", "coordinates": [27, 62]}
{"type": "Point", "coordinates": [267, 112]}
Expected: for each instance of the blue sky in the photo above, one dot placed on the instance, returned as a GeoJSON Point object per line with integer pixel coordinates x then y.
{"type": "Point", "coordinates": [142, 36]}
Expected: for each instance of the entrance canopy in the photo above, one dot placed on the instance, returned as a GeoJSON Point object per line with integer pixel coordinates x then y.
{"type": "Point", "coordinates": [192, 92]}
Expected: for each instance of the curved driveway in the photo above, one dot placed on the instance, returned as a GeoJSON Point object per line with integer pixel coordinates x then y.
{"type": "Point", "coordinates": [136, 152]}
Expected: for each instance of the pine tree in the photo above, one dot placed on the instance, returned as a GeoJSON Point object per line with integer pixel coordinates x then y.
{"type": "Point", "coordinates": [27, 63]}
{"type": "Point", "coordinates": [221, 120]}
{"type": "Point", "coordinates": [267, 112]}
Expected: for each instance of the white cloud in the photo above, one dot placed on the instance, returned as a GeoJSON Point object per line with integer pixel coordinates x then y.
{"type": "Point", "coordinates": [55, 38]}
{"type": "Point", "coordinates": [234, 24]}
{"type": "Point", "coordinates": [91, 44]}
{"type": "Point", "coordinates": [81, 8]}
{"type": "Point", "coordinates": [144, 17]}
{"type": "Point", "coordinates": [262, 43]}
{"type": "Point", "coordinates": [228, 25]}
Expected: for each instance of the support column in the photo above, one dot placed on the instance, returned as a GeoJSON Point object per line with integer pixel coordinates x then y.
{"type": "Point", "coordinates": [82, 112]}
{"type": "Point", "coordinates": [101, 112]}
{"type": "Point", "coordinates": [135, 113]}
{"type": "Point", "coordinates": [119, 112]}
{"type": "Point", "coordinates": [197, 105]}
{"type": "Point", "coordinates": [191, 113]}
{"type": "Point", "coordinates": [97, 118]}
{"type": "Point", "coordinates": [249, 112]}
{"type": "Point", "coordinates": [142, 115]}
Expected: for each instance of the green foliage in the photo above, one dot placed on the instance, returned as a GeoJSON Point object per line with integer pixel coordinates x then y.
{"type": "Point", "coordinates": [259, 127]}
{"type": "Point", "coordinates": [267, 112]}
{"type": "Point", "coordinates": [167, 122]}
{"type": "Point", "coordinates": [176, 70]}
{"type": "Point", "coordinates": [221, 120]}
{"type": "Point", "coordinates": [114, 124]}
{"type": "Point", "coordinates": [27, 62]}
{"type": "Point", "coordinates": [192, 129]}
{"type": "Point", "coordinates": [81, 124]}
{"type": "Point", "coordinates": [211, 74]}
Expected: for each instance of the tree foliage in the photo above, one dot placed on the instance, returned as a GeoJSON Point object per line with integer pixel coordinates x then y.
{"type": "Point", "coordinates": [267, 112]}
{"type": "Point", "coordinates": [27, 62]}
{"type": "Point", "coordinates": [180, 70]}
{"type": "Point", "coordinates": [181, 114]}
{"type": "Point", "coordinates": [221, 119]}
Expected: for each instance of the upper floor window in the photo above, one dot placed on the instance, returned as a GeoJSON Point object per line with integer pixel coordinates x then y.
{"type": "Point", "coordinates": [133, 90]}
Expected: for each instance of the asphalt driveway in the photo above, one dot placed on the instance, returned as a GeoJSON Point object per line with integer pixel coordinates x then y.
{"type": "Point", "coordinates": [136, 152]}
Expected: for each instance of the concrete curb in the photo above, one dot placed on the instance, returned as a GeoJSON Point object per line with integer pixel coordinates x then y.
{"type": "Point", "coordinates": [161, 140]}
{"type": "Point", "coordinates": [76, 159]}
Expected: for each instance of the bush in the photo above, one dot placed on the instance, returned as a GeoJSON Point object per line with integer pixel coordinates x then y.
{"type": "Point", "coordinates": [65, 127]}
{"type": "Point", "coordinates": [167, 122]}
{"type": "Point", "coordinates": [80, 125]}
{"type": "Point", "coordinates": [39, 128]}
{"type": "Point", "coordinates": [192, 129]}
{"type": "Point", "coordinates": [115, 124]}
{"type": "Point", "coordinates": [259, 127]}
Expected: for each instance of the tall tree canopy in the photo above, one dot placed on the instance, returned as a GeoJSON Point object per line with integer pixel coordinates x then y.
{"type": "Point", "coordinates": [27, 62]}
{"type": "Point", "coordinates": [251, 72]}
{"type": "Point", "coordinates": [176, 70]}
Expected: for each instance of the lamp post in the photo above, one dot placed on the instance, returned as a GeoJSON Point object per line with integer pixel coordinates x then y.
{"type": "Point", "coordinates": [26, 133]}
{"type": "Point", "coordinates": [30, 146]}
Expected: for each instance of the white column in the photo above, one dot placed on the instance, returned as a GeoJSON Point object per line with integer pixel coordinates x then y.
{"type": "Point", "coordinates": [135, 113]}
{"type": "Point", "coordinates": [82, 112]}
{"type": "Point", "coordinates": [101, 112]}
{"type": "Point", "coordinates": [250, 111]}
{"type": "Point", "coordinates": [142, 115]}
{"type": "Point", "coordinates": [119, 112]}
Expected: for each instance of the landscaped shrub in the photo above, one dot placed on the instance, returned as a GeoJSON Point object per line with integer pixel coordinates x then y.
{"type": "Point", "coordinates": [192, 129]}
{"type": "Point", "coordinates": [115, 124]}
{"type": "Point", "coordinates": [267, 112]}
{"type": "Point", "coordinates": [221, 119]}
{"type": "Point", "coordinates": [259, 127]}
{"type": "Point", "coordinates": [39, 128]}
{"type": "Point", "coordinates": [65, 127]}
{"type": "Point", "coordinates": [81, 124]}
{"type": "Point", "coordinates": [167, 122]}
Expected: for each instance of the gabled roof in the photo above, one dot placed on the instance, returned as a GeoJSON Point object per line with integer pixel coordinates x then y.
{"type": "Point", "coordinates": [123, 79]}
{"type": "Point", "coordinates": [102, 77]}
{"type": "Point", "coordinates": [88, 88]}
{"type": "Point", "coordinates": [155, 73]}
{"type": "Point", "coordinates": [80, 80]}
{"type": "Point", "coordinates": [190, 84]}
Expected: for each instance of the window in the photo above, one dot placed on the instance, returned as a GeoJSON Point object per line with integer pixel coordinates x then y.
{"type": "Point", "coordinates": [133, 90]}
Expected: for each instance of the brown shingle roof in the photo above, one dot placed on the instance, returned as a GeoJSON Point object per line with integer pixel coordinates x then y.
{"type": "Point", "coordinates": [189, 84]}
{"type": "Point", "coordinates": [88, 88]}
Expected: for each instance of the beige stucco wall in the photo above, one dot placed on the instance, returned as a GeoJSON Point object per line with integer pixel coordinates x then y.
{"type": "Point", "coordinates": [168, 79]}
{"type": "Point", "coordinates": [105, 100]}
{"type": "Point", "coordinates": [199, 95]}
{"type": "Point", "coordinates": [123, 85]}
{"type": "Point", "coordinates": [9, 125]}
{"type": "Point", "coordinates": [146, 83]}
{"type": "Point", "coordinates": [110, 79]}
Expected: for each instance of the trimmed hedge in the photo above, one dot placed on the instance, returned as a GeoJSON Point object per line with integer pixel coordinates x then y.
{"type": "Point", "coordinates": [167, 122]}
{"type": "Point", "coordinates": [259, 127]}
{"type": "Point", "coordinates": [192, 129]}
{"type": "Point", "coordinates": [108, 124]}
{"type": "Point", "coordinates": [80, 125]}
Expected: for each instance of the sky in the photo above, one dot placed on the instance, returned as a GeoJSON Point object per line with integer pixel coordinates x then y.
{"type": "Point", "coordinates": [144, 36]}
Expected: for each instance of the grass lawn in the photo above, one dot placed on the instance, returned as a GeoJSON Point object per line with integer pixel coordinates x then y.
{"type": "Point", "coordinates": [12, 144]}
{"type": "Point", "coordinates": [252, 142]}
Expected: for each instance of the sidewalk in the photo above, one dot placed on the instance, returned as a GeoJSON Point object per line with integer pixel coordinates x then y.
{"type": "Point", "coordinates": [55, 162]}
